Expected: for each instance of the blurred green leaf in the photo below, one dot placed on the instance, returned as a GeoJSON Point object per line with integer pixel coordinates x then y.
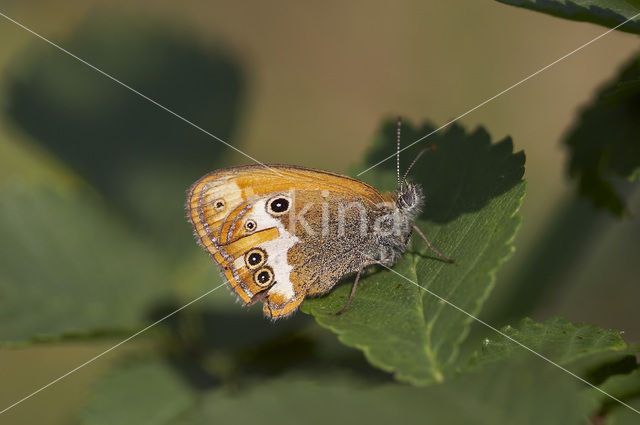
{"type": "Point", "coordinates": [626, 388]}
{"type": "Point", "coordinates": [551, 265]}
{"type": "Point", "coordinates": [517, 394]}
{"type": "Point", "coordinates": [77, 264]}
{"type": "Point", "coordinates": [563, 342]}
{"type": "Point", "coordinates": [624, 416]}
{"type": "Point", "coordinates": [139, 156]}
{"type": "Point", "coordinates": [604, 144]}
{"type": "Point", "coordinates": [604, 12]}
{"type": "Point", "coordinates": [474, 190]}
{"type": "Point", "coordinates": [623, 386]}
{"type": "Point", "coordinates": [500, 398]}
{"type": "Point", "coordinates": [68, 267]}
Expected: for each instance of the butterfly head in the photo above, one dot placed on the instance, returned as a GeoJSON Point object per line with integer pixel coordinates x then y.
{"type": "Point", "coordinates": [410, 199]}
{"type": "Point", "coordinates": [409, 196]}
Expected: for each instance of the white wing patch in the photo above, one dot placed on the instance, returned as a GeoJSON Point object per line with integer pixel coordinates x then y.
{"type": "Point", "coordinates": [276, 249]}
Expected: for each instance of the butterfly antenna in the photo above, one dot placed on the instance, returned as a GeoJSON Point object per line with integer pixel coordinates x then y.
{"type": "Point", "coordinates": [428, 148]}
{"type": "Point", "coordinates": [399, 128]}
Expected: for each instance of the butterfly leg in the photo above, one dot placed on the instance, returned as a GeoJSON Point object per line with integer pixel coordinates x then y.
{"type": "Point", "coordinates": [353, 291]}
{"type": "Point", "coordinates": [417, 229]}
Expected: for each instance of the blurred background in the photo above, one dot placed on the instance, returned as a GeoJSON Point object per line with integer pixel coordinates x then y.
{"type": "Point", "coordinates": [90, 172]}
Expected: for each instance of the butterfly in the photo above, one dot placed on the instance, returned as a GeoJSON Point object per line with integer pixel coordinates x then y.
{"type": "Point", "coordinates": [281, 233]}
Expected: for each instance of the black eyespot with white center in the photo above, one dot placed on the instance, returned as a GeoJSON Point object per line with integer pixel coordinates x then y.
{"type": "Point", "coordinates": [278, 205]}
{"type": "Point", "coordinates": [250, 225]}
{"type": "Point", "coordinates": [263, 277]}
{"type": "Point", "coordinates": [255, 258]}
{"type": "Point", "coordinates": [219, 204]}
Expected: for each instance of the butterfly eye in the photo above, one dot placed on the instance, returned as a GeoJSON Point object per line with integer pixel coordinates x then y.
{"type": "Point", "coordinates": [278, 205]}
{"type": "Point", "coordinates": [219, 204]}
{"type": "Point", "coordinates": [263, 277]}
{"type": "Point", "coordinates": [255, 258]}
{"type": "Point", "coordinates": [250, 225]}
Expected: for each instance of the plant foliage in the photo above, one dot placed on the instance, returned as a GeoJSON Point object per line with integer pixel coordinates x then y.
{"type": "Point", "coordinates": [474, 190]}
{"type": "Point", "coordinates": [603, 12]}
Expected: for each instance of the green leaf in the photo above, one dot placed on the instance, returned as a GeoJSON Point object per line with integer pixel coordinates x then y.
{"type": "Point", "coordinates": [578, 345]}
{"type": "Point", "coordinates": [68, 268]}
{"type": "Point", "coordinates": [599, 356]}
{"type": "Point", "coordinates": [474, 190]}
{"type": "Point", "coordinates": [603, 12]}
{"type": "Point", "coordinates": [604, 144]}
{"type": "Point", "coordinates": [501, 395]}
